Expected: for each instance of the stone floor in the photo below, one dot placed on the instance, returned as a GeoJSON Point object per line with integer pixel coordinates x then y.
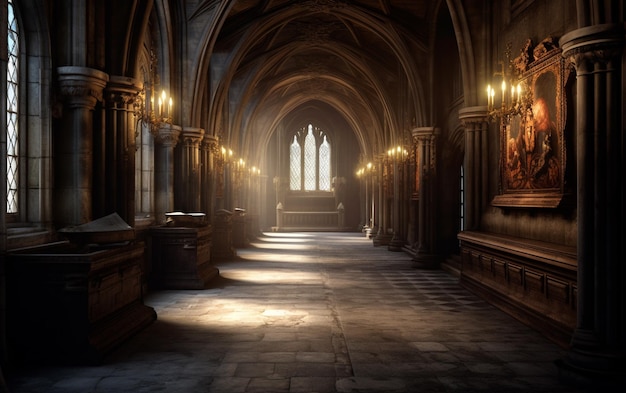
{"type": "Point", "coordinates": [318, 312]}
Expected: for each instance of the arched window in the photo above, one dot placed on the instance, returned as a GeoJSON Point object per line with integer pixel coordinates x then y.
{"type": "Point", "coordinates": [144, 157]}
{"type": "Point", "coordinates": [295, 165]}
{"type": "Point", "coordinates": [27, 120]}
{"type": "Point", "coordinates": [13, 111]}
{"type": "Point", "coordinates": [310, 160]}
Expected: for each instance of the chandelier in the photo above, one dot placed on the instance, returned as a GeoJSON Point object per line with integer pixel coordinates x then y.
{"type": "Point", "coordinates": [145, 110]}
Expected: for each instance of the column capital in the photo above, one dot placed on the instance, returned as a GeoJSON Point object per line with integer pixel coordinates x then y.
{"type": "Point", "coordinates": [473, 115]}
{"type": "Point", "coordinates": [211, 143]}
{"type": "Point", "coordinates": [425, 132]}
{"type": "Point", "coordinates": [122, 89]}
{"type": "Point", "coordinates": [81, 86]}
{"type": "Point", "coordinates": [167, 134]}
{"type": "Point", "coordinates": [192, 135]}
{"type": "Point", "coordinates": [592, 44]}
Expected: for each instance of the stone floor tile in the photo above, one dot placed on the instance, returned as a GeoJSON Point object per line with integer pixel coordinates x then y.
{"type": "Point", "coordinates": [312, 385]}
{"type": "Point", "coordinates": [265, 385]}
{"type": "Point", "coordinates": [251, 370]}
{"type": "Point", "coordinates": [229, 385]}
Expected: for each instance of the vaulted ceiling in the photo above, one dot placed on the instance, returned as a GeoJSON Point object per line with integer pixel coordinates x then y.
{"type": "Point", "coordinates": [365, 61]}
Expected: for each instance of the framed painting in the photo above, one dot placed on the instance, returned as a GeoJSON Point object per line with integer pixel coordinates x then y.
{"type": "Point", "coordinates": [532, 148]}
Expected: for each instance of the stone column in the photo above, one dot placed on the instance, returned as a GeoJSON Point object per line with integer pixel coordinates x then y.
{"type": "Point", "coordinates": [382, 238]}
{"type": "Point", "coordinates": [598, 347]}
{"type": "Point", "coordinates": [475, 164]}
{"type": "Point", "coordinates": [366, 201]}
{"type": "Point", "coordinates": [166, 138]}
{"type": "Point", "coordinates": [81, 89]}
{"type": "Point", "coordinates": [375, 202]}
{"type": "Point", "coordinates": [397, 164]}
{"type": "Point", "coordinates": [115, 188]}
{"type": "Point", "coordinates": [209, 151]}
{"type": "Point", "coordinates": [425, 254]}
{"type": "Point", "coordinates": [190, 169]}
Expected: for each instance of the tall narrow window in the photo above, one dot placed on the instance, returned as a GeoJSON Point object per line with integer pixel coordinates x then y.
{"type": "Point", "coordinates": [12, 112]}
{"type": "Point", "coordinates": [144, 156]}
{"type": "Point", "coordinates": [310, 160]}
{"type": "Point", "coordinates": [324, 177]}
{"type": "Point", "coordinates": [295, 165]}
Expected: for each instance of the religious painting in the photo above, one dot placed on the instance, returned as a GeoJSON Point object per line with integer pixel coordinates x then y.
{"type": "Point", "coordinates": [532, 142]}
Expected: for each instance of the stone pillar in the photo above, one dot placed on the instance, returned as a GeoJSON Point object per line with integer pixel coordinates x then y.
{"type": "Point", "coordinates": [166, 138]}
{"type": "Point", "coordinates": [397, 170]}
{"type": "Point", "coordinates": [81, 89]}
{"type": "Point", "coordinates": [190, 169]}
{"type": "Point", "coordinates": [115, 188]}
{"type": "Point", "coordinates": [375, 181]}
{"type": "Point", "coordinates": [598, 348]}
{"type": "Point", "coordinates": [426, 155]}
{"type": "Point", "coordinates": [209, 151]}
{"type": "Point", "coordinates": [382, 238]}
{"type": "Point", "coordinates": [368, 199]}
{"type": "Point", "coordinates": [254, 204]}
{"type": "Point", "coordinates": [476, 168]}
{"type": "Point", "coordinates": [228, 185]}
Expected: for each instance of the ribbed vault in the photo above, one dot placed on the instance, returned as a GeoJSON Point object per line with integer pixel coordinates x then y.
{"type": "Point", "coordinates": [361, 60]}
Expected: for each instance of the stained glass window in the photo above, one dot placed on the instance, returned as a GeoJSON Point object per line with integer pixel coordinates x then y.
{"type": "Point", "coordinates": [12, 111]}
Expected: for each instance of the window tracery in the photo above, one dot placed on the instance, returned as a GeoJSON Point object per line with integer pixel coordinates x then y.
{"type": "Point", "coordinates": [310, 160]}
{"type": "Point", "coordinates": [12, 96]}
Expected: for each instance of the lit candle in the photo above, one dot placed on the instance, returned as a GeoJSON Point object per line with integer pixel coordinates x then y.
{"type": "Point", "coordinates": [170, 108]}
{"type": "Point", "coordinates": [160, 112]}
{"type": "Point", "coordinates": [493, 97]}
{"type": "Point", "coordinates": [503, 91]}
{"type": "Point", "coordinates": [162, 99]}
{"type": "Point", "coordinates": [489, 96]}
{"type": "Point", "coordinates": [519, 91]}
{"type": "Point", "coordinates": [512, 94]}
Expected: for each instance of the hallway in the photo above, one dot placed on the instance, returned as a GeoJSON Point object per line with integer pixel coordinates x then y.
{"type": "Point", "coordinates": [318, 312]}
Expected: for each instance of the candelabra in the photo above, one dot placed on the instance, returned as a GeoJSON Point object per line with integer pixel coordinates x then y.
{"type": "Point", "coordinates": [515, 97]}
{"type": "Point", "coordinates": [145, 110]}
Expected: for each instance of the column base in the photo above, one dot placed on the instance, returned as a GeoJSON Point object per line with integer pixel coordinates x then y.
{"type": "Point", "coordinates": [381, 239]}
{"type": "Point", "coordinates": [590, 364]}
{"type": "Point", "coordinates": [592, 372]}
{"type": "Point", "coordinates": [423, 260]}
{"type": "Point", "coordinates": [395, 244]}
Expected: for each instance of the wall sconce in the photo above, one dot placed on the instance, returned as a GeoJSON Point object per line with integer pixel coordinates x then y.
{"type": "Point", "coordinates": [512, 97]}
{"type": "Point", "coordinates": [397, 153]}
{"type": "Point", "coordinates": [144, 106]}
{"type": "Point", "coordinates": [227, 154]}
{"type": "Point", "coordinates": [366, 170]}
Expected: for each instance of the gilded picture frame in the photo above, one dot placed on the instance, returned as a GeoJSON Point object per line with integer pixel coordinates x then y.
{"type": "Point", "coordinates": [532, 144]}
